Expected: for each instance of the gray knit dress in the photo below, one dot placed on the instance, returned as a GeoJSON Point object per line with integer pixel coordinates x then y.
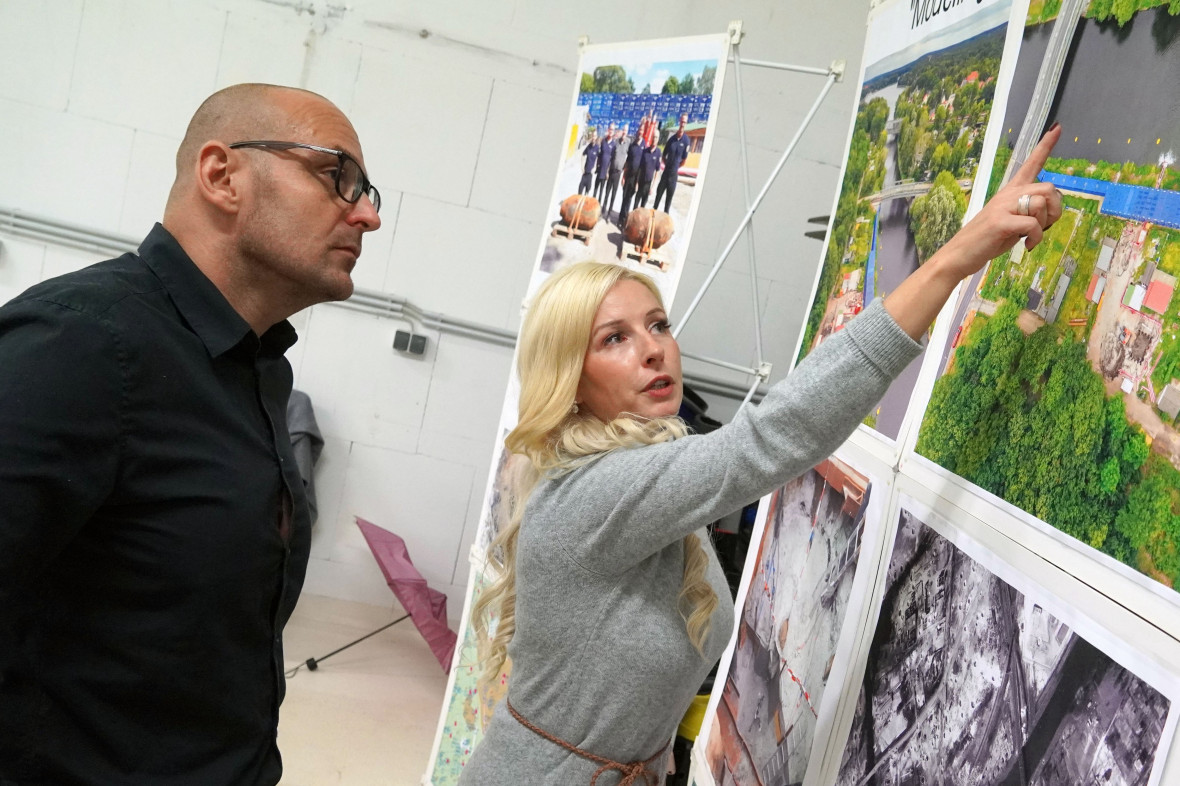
{"type": "Point", "coordinates": [601, 657]}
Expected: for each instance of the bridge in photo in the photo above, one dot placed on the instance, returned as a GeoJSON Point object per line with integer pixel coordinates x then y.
{"type": "Point", "coordinates": [1046, 87]}
{"type": "Point", "coordinates": [906, 189]}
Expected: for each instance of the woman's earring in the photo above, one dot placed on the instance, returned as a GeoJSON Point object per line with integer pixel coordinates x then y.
{"type": "Point", "coordinates": [574, 408]}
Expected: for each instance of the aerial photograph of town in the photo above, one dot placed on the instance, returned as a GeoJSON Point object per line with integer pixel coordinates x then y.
{"type": "Point", "coordinates": [911, 165]}
{"type": "Point", "coordinates": [1059, 388]}
{"type": "Point", "coordinates": [796, 603]}
{"type": "Point", "coordinates": [971, 682]}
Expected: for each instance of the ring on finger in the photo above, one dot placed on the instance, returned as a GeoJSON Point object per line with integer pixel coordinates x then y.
{"type": "Point", "coordinates": [1023, 203]}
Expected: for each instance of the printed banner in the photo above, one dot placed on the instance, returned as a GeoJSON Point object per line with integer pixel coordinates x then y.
{"type": "Point", "coordinates": [638, 138]}
{"type": "Point", "coordinates": [1057, 390]}
{"type": "Point", "coordinates": [629, 178]}
{"type": "Point", "coordinates": [802, 589]}
{"type": "Point", "coordinates": [931, 72]}
{"type": "Point", "coordinates": [466, 709]}
{"type": "Point", "coordinates": [970, 680]}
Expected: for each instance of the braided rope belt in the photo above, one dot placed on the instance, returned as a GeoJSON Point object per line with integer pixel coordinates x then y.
{"type": "Point", "coordinates": [631, 771]}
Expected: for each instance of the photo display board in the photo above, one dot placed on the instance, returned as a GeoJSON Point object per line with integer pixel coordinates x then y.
{"type": "Point", "coordinates": [928, 84]}
{"type": "Point", "coordinates": [803, 585]}
{"type": "Point", "coordinates": [647, 107]}
{"type": "Point", "coordinates": [466, 708]}
{"type": "Point", "coordinates": [978, 586]}
{"type": "Point", "coordinates": [661, 97]}
{"type": "Point", "coordinates": [1059, 391]}
{"type": "Point", "coordinates": [974, 676]}
{"type": "Point", "coordinates": [621, 89]}
{"type": "Point", "coordinates": [1013, 617]}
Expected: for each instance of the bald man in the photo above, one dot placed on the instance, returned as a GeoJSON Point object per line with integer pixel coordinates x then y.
{"type": "Point", "coordinates": [153, 526]}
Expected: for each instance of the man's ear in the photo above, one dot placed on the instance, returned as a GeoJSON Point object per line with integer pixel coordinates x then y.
{"type": "Point", "coordinates": [219, 177]}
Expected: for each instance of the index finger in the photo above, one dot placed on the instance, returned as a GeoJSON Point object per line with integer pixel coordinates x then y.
{"type": "Point", "coordinates": [1040, 154]}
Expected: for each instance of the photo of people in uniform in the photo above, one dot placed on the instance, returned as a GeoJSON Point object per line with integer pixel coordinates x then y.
{"type": "Point", "coordinates": [630, 175]}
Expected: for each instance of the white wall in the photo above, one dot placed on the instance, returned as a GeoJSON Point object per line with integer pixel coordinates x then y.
{"type": "Point", "coordinates": [461, 107]}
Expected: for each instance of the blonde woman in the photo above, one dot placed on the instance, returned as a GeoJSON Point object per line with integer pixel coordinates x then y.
{"type": "Point", "coordinates": [609, 599]}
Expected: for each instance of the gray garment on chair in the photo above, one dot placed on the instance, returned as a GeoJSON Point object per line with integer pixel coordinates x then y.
{"type": "Point", "coordinates": [600, 656]}
{"type": "Point", "coordinates": [306, 441]}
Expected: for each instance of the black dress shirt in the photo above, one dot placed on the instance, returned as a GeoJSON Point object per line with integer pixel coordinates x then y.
{"type": "Point", "coordinates": [153, 529]}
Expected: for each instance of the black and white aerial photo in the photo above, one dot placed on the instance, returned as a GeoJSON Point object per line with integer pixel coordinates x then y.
{"type": "Point", "coordinates": [971, 682]}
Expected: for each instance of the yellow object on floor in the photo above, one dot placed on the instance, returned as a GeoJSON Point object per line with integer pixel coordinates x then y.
{"type": "Point", "coordinates": [690, 725]}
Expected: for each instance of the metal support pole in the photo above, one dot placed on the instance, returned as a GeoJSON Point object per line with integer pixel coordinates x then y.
{"type": "Point", "coordinates": [737, 78]}
{"type": "Point", "coordinates": [721, 363]}
{"type": "Point", "coordinates": [750, 211]}
{"type": "Point", "coordinates": [786, 67]}
{"type": "Point", "coordinates": [750, 395]}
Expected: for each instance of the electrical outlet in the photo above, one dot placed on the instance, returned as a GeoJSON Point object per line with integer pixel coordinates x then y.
{"type": "Point", "coordinates": [404, 341]}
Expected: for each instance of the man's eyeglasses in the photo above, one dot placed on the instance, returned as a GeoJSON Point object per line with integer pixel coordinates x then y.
{"type": "Point", "coordinates": [351, 181]}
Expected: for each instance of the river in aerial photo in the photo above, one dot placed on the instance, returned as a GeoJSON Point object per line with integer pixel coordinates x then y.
{"type": "Point", "coordinates": [897, 257]}
{"type": "Point", "coordinates": [1118, 93]}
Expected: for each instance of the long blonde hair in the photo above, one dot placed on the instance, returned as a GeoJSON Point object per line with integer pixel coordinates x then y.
{"type": "Point", "coordinates": [557, 440]}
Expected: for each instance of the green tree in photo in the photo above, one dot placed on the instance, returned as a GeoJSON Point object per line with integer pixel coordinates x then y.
{"type": "Point", "coordinates": [706, 79]}
{"type": "Point", "coordinates": [907, 140]}
{"type": "Point", "coordinates": [1028, 420]}
{"type": "Point", "coordinates": [671, 86]}
{"type": "Point", "coordinates": [612, 79]}
{"type": "Point", "coordinates": [876, 116]}
{"type": "Point", "coordinates": [858, 160]}
{"type": "Point", "coordinates": [989, 92]}
{"type": "Point", "coordinates": [587, 85]}
{"type": "Point", "coordinates": [937, 216]}
{"type": "Point", "coordinates": [951, 131]}
{"type": "Point", "coordinates": [961, 401]}
{"type": "Point", "coordinates": [1100, 10]}
{"type": "Point", "coordinates": [967, 96]}
{"type": "Point", "coordinates": [959, 157]}
{"type": "Point", "coordinates": [687, 85]}
{"type": "Point", "coordinates": [1124, 10]}
{"type": "Point", "coordinates": [1003, 156]}
{"type": "Point", "coordinates": [976, 147]}
{"type": "Point", "coordinates": [941, 160]}
{"type": "Point", "coordinates": [1148, 511]}
{"type": "Point", "coordinates": [925, 152]}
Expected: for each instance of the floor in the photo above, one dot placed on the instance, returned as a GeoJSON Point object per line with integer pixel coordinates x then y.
{"type": "Point", "coordinates": [367, 715]}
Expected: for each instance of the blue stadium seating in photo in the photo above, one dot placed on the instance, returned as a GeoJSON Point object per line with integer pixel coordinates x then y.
{"type": "Point", "coordinates": [1136, 203]}
{"type": "Point", "coordinates": [620, 108]}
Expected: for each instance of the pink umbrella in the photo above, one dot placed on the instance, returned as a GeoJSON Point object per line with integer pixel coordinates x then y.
{"type": "Point", "coordinates": [427, 607]}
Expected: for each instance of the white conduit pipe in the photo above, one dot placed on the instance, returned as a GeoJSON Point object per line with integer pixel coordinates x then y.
{"type": "Point", "coordinates": [20, 223]}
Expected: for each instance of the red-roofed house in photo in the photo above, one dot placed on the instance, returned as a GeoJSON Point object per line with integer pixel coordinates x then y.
{"type": "Point", "coordinates": [1159, 295]}
{"type": "Point", "coordinates": [972, 77]}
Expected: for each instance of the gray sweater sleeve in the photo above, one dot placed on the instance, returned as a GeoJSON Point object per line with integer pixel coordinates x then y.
{"type": "Point", "coordinates": [631, 503]}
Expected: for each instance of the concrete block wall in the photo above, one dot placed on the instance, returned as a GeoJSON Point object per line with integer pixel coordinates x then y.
{"type": "Point", "coordinates": [460, 106]}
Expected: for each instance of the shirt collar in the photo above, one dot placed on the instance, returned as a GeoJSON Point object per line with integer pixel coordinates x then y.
{"type": "Point", "coordinates": [201, 303]}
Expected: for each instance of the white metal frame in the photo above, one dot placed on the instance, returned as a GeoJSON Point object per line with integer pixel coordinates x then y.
{"type": "Point", "coordinates": [834, 73]}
